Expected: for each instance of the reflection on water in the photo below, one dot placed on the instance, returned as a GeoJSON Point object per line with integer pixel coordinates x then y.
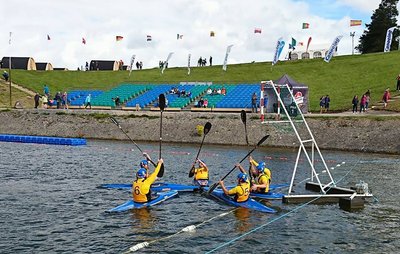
{"type": "Point", "coordinates": [50, 203]}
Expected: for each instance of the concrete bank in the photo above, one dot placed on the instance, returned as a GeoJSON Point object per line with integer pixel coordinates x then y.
{"type": "Point", "coordinates": [368, 134]}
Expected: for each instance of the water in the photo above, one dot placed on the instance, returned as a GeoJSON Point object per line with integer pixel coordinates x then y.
{"type": "Point", "coordinates": [50, 203]}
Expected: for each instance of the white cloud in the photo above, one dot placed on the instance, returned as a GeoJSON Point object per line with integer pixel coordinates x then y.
{"type": "Point", "coordinates": [100, 21]}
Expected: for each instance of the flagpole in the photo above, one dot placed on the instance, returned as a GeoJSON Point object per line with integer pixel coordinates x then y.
{"type": "Point", "coordinates": [9, 70]}
{"type": "Point", "coordinates": [352, 42]}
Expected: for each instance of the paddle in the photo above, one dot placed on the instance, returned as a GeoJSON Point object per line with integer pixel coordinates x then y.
{"type": "Point", "coordinates": [206, 129]}
{"type": "Point", "coordinates": [161, 104]}
{"type": "Point", "coordinates": [243, 117]}
{"type": "Point", "coordinates": [252, 150]}
{"type": "Point", "coordinates": [137, 146]}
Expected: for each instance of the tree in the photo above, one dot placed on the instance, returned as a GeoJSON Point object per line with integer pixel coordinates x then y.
{"type": "Point", "coordinates": [383, 18]}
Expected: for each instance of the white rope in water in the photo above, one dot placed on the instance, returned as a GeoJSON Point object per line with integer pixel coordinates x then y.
{"type": "Point", "coordinates": [323, 171]}
{"type": "Point", "coordinates": [280, 217]}
{"type": "Point", "coordinates": [190, 228]}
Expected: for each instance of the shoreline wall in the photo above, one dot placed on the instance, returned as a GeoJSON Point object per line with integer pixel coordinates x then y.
{"type": "Point", "coordinates": [360, 134]}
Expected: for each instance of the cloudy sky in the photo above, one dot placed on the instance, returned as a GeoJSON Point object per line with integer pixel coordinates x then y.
{"type": "Point", "coordinates": [234, 21]}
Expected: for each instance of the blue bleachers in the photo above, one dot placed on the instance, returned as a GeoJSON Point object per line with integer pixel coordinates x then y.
{"type": "Point", "coordinates": [239, 97]}
{"type": "Point", "coordinates": [150, 96]}
{"type": "Point", "coordinates": [77, 97]}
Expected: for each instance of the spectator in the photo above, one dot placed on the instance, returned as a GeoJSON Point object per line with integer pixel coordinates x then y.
{"type": "Point", "coordinates": [87, 101]}
{"type": "Point", "coordinates": [45, 101]}
{"type": "Point", "coordinates": [214, 92]}
{"type": "Point", "coordinates": [254, 103]}
{"type": "Point", "coordinates": [210, 61]}
{"type": "Point", "coordinates": [86, 66]}
{"type": "Point", "coordinates": [398, 83]}
{"type": "Point", "coordinates": [201, 102]}
{"type": "Point", "coordinates": [205, 103]}
{"type": "Point", "coordinates": [327, 102]}
{"type": "Point", "coordinates": [5, 76]}
{"type": "Point", "coordinates": [46, 90]}
{"type": "Point", "coordinates": [64, 100]}
{"type": "Point", "coordinates": [219, 91]}
{"type": "Point", "coordinates": [355, 103]}
{"type": "Point", "coordinates": [386, 98]}
{"type": "Point", "coordinates": [368, 97]}
{"type": "Point", "coordinates": [209, 91]}
{"type": "Point", "coordinates": [57, 99]}
{"type": "Point", "coordinates": [363, 101]}
{"type": "Point", "coordinates": [117, 101]}
{"type": "Point", "coordinates": [36, 99]}
{"type": "Point", "coordinates": [321, 104]}
{"type": "Point", "coordinates": [223, 91]}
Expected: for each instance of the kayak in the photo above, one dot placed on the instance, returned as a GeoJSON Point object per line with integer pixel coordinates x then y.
{"type": "Point", "coordinates": [268, 195]}
{"type": "Point", "coordinates": [250, 203]}
{"type": "Point", "coordinates": [129, 205]}
{"type": "Point", "coordinates": [161, 186]}
{"type": "Point", "coordinates": [158, 187]}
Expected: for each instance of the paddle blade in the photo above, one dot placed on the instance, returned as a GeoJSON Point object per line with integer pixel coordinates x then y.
{"type": "Point", "coordinates": [212, 188]}
{"type": "Point", "coordinates": [243, 116]}
{"type": "Point", "coordinates": [262, 140]}
{"type": "Point", "coordinates": [191, 172]}
{"type": "Point", "coordinates": [161, 101]}
{"type": "Point", "coordinates": [207, 128]}
{"type": "Point", "coordinates": [161, 172]}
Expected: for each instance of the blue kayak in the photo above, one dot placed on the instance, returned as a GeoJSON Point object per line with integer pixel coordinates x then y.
{"type": "Point", "coordinates": [129, 205]}
{"type": "Point", "coordinates": [268, 195]}
{"type": "Point", "coordinates": [250, 203]}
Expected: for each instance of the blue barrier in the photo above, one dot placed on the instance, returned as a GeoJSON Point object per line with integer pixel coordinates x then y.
{"type": "Point", "coordinates": [42, 140]}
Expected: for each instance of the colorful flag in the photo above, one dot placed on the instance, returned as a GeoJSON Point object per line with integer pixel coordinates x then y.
{"type": "Point", "coordinates": [355, 22]}
{"type": "Point", "coordinates": [148, 37]}
{"type": "Point", "coordinates": [179, 36]}
{"type": "Point", "coordinates": [388, 40]}
{"type": "Point", "coordinates": [278, 50]}
{"type": "Point", "coordinates": [212, 34]}
{"type": "Point", "coordinates": [332, 49]}
{"type": "Point", "coordinates": [48, 37]}
{"type": "Point", "coordinates": [301, 43]}
{"type": "Point", "coordinates": [308, 43]}
{"type": "Point", "coordinates": [228, 50]}
{"type": "Point", "coordinates": [257, 30]}
{"type": "Point", "coordinates": [118, 38]}
{"type": "Point", "coordinates": [294, 42]}
{"type": "Point", "coordinates": [306, 25]}
{"type": "Point", "coordinates": [83, 40]}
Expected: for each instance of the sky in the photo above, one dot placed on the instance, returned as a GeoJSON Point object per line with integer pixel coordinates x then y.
{"type": "Point", "coordinates": [233, 21]}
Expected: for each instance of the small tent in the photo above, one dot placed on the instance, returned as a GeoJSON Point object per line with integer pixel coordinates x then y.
{"type": "Point", "coordinates": [299, 90]}
{"type": "Point", "coordinates": [20, 63]}
{"type": "Point", "coordinates": [44, 66]}
{"type": "Point", "coordinates": [103, 65]}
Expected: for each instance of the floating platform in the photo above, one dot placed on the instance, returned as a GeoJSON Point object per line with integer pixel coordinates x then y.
{"type": "Point", "coordinates": [43, 140]}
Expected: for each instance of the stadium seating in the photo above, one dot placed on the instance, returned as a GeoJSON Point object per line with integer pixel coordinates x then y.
{"type": "Point", "coordinates": [124, 91]}
{"type": "Point", "coordinates": [150, 96]}
{"type": "Point", "coordinates": [78, 97]}
{"type": "Point", "coordinates": [239, 97]}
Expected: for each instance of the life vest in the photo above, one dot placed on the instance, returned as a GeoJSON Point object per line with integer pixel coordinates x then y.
{"type": "Point", "coordinates": [265, 177]}
{"type": "Point", "coordinates": [140, 193]}
{"type": "Point", "coordinates": [242, 192]}
{"type": "Point", "coordinates": [201, 174]}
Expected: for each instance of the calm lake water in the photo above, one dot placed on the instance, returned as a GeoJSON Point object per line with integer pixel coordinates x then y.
{"type": "Point", "coordinates": [50, 203]}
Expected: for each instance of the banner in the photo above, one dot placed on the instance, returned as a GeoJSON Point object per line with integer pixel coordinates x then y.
{"type": "Point", "coordinates": [278, 50]}
{"type": "Point", "coordinates": [388, 40]}
{"type": "Point", "coordinates": [355, 22]}
{"type": "Point", "coordinates": [308, 43]}
{"type": "Point", "coordinates": [166, 62]}
{"type": "Point", "coordinates": [189, 64]}
{"type": "Point", "coordinates": [130, 67]}
{"type": "Point", "coordinates": [332, 49]}
{"type": "Point", "coordinates": [228, 50]}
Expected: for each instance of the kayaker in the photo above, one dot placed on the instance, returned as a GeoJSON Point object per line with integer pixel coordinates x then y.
{"type": "Point", "coordinates": [263, 176]}
{"type": "Point", "coordinates": [141, 186]}
{"type": "Point", "coordinates": [242, 190]}
{"type": "Point", "coordinates": [200, 177]}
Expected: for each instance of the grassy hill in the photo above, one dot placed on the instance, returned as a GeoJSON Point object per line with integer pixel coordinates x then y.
{"type": "Point", "coordinates": [342, 78]}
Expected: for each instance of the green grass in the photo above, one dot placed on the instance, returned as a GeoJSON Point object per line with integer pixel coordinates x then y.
{"type": "Point", "coordinates": [342, 78]}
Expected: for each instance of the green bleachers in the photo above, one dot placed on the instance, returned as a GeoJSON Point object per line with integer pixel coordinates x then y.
{"type": "Point", "coordinates": [124, 91]}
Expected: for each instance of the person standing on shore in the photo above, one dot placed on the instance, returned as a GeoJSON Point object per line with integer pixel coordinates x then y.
{"type": "Point", "coordinates": [36, 99]}
{"type": "Point", "coordinates": [398, 83]}
{"type": "Point", "coordinates": [87, 101]}
{"type": "Point", "coordinates": [355, 103]}
{"type": "Point", "coordinates": [386, 98]}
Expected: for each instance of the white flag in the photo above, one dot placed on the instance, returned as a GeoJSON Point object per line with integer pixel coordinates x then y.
{"type": "Point", "coordinates": [278, 50]}
{"type": "Point", "coordinates": [166, 62]}
{"type": "Point", "coordinates": [189, 64]}
{"type": "Point", "coordinates": [388, 40]}
{"type": "Point", "coordinates": [332, 49]}
{"type": "Point", "coordinates": [132, 60]}
{"type": "Point", "coordinates": [228, 50]}
{"type": "Point", "coordinates": [9, 41]}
